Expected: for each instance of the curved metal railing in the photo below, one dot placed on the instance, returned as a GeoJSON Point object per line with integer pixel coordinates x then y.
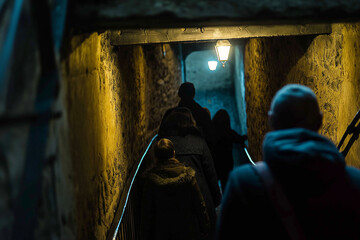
{"type": "Point", "coordinates": [125, 222]}
{"type": "Point", "coordinates": [248, 155]}
{"type": "Point", "coordinates": [354, 131]}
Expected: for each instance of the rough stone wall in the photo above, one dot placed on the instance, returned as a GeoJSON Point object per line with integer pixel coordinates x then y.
{"type": "Point", "coordinates": [349, 102]}
{"type": "Point", "coordinates": [267, 63]}
{"type": "Point", "coordinates": [163, 73]}
{"type": "Point", "coordinates": [108, 95]}
{"type": "Point", "coordinates": [239, 85]}
{"type": "Point", "coordinates": [325, 63]}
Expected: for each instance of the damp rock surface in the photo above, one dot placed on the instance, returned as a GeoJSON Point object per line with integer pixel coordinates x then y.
{"type": "Point", "coordinates": [328, 64]}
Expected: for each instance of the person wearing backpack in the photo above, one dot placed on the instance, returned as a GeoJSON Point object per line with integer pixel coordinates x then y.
{"type": "Point", "coordinates": [308, 174]}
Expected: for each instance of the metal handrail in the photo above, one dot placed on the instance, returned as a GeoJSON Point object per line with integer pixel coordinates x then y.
{"type": "Point", "coordinates": [248, 155]}
{"type": "Point", "coordinates": [124, 218]}
{"type": "Point", "coordinates": [114, 229]}
{"type": "Point", "coordinates": [351, 129]}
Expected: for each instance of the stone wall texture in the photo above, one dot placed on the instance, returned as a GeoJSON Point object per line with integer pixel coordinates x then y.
{"type": "Point", "coordinates": [328, 64]}
{"type": "Point", "coordinates": [114, 98]}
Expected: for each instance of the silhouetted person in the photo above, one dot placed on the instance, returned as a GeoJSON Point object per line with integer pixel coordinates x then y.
{"type": "Point", "coordinates": [222, 147]}
{"type": "Point", "coordinates": [192, 150]}
{"type": "Point", "coordinates": [203, 120]}
{"type": "Point", "coordinates": [173, 206]}
{"type": "Point", "coordinates": [322, 190]}
{"type": "Point", "coordinates": [208, 111]}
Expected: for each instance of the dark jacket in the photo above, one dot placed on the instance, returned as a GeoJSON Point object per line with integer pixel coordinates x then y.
{"type": "Point", "coordinates": [202, 118]}
{"type": "Point", "coordinates": [324, 193]}
{"type": "Point", "coordinates": [194, 152]}
{"type": "Point", "coordinates": [173, 207]}
{"type": "Point", "coordinates": [222, 147]}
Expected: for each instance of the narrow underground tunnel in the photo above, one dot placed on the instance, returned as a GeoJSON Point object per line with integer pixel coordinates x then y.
{"type": "Point", "coordinates": [116, 85]}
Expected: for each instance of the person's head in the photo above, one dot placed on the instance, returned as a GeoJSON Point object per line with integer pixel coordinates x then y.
{"type": "Point", "coordinates": [207, 111]}
{"type": "Point", "coordinates": [181, 117]}
{"type": "Point", "coordinates": [295, 106]}
{"type": "Point", "coordinates": [164, 150]}
{"type": "Point", "coordinates": [221, 119]}
{"type": "Point", "coordinates": [186, 91]}
{"type": "Point", "coordinates": [179, 122]}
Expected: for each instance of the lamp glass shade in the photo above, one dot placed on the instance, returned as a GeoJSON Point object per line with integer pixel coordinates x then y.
{"type": "Point", "coordinates": [223, 52]}
{"type": "Point", "coordinates": [212, 65]}
{"type": "Point", "coordinates": [222, 48]}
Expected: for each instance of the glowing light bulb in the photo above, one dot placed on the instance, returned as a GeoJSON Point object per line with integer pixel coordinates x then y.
{"type": "Point", "coordinates": [212, 65]}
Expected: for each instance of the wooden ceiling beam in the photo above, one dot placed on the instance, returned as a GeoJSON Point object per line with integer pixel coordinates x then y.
{"type": "Point", "coordinates": [151, 36]}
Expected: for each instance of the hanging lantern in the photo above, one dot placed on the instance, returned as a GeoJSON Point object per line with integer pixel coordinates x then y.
{"type": "Point", "coordinates": [222, 48]}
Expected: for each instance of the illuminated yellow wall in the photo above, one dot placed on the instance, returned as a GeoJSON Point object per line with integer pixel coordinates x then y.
{"type": "Point", "coordinates": [114, 99]}
{"type": "Point", "coordinates": [329, 64]}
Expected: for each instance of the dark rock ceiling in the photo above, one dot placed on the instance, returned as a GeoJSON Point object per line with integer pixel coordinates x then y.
{"type": "Point", "coordinates": [176, 13]}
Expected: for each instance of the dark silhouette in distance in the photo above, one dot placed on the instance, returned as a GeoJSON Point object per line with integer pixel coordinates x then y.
{"type": "Point", "coordinates": [224, 137]}
{"type": "Point", "coordinates": [203, 119]}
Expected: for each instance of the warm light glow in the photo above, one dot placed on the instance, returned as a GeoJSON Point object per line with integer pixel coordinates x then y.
{"type": "Point", "coordinates": [212, 65]}
{"type": "Point", "coordinates": [223, 52]}
{"type": "Point", "coordinates": [222, 48]}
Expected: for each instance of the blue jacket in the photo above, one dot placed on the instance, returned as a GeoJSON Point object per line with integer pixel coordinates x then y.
{"type": "Point", "coordinates": [324, 192]}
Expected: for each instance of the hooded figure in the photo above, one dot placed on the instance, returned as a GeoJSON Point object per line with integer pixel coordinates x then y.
{"type": "Point", "coordinates": [173, 206]}
{"type": "Point", "coordinates": [322, 190]}
{"type": "Point", "coordinates": [192, 150]}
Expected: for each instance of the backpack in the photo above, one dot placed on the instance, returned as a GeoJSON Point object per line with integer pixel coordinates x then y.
{"type": "Point", "coordinates": [279, 200]}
